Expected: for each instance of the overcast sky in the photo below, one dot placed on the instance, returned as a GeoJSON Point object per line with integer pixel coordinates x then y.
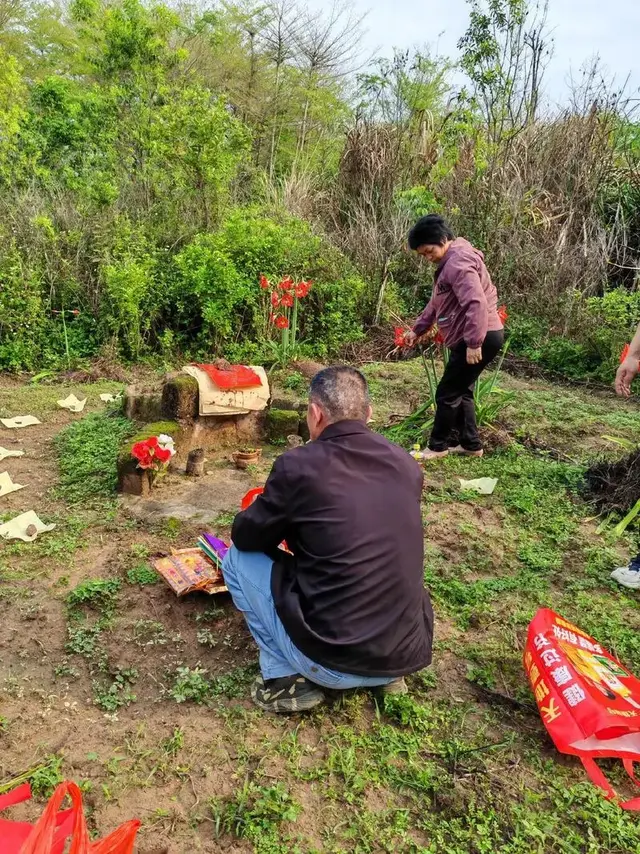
{"type": "Point", "coordinates": [580, 29]}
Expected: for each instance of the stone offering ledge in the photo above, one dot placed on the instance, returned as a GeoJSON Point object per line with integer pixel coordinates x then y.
{"type": "Point", "coordinates": [172, 408]}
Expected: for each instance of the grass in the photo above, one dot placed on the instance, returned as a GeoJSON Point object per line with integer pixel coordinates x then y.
{"type": "Point", "coordinates": [87, 453]}
{"type": "Point", "coordinates": [462, 765]}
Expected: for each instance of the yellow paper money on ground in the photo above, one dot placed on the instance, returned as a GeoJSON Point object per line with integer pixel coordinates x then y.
{"type": "Point", "coordinates": [25, 527]}
{"type": "Point", "coordinates": [72, 403]}
{"type": "Point", "coordinates": [4, 453]}
{"type": "Point", "coordinates": [7, 485]}
{"type": "Point", "coordinates": [19, 421]}
{"type": "Point", "coordinates": [483, 485]}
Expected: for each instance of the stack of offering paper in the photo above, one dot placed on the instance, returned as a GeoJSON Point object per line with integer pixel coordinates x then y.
{"type": "Point", "coordinates": [188, 570]}
{"type": "Point", "coordinates": [213, 548]}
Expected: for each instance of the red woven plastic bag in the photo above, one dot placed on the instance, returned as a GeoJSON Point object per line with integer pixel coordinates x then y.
{"type": "Point", "coordinates": [238, 376]}
{"type": "Point", "coordinates": [588, 701]}
{"type": "Point", "coordinates": [53, 829]}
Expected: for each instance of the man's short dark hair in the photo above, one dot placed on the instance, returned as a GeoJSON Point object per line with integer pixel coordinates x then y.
{"type": "Point", "coordinates": [342, 393]}
{"type": "Point", "coordinates": [430, 230]}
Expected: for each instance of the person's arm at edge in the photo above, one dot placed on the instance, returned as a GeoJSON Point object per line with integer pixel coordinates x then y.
{"type": "Point", "coordinates": [263, 525]}
{"type": "Point", "coordinates": [629, 368]}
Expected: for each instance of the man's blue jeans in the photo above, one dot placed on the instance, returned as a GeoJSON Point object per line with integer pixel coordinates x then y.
{"type": "Point", "coordinates": [248, 577]}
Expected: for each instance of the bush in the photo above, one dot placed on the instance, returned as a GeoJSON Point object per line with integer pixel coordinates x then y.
{"type": "Point", "coordinates": [211, 295]}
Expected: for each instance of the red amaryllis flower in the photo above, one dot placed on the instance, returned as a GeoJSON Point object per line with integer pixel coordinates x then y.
{"type": "Point", "coordinates": [286, 284]}
{"type": "Point", "coordinates": [503, 314]}
{"type": "Point", "coordinates": [302, 289]}
{"type": "Point", "coordinates": [438, 338]}
{"type": "Point", "coordinates": [275, 300]}
{"type": "Point", "coordinates": [272, 318]}
{"type": "Point", "coordinates": [282, 322]}
{"type": "Point", "coordinates": [264, 283]}
{"type": "Point", "coordinates": [399, 333]}
{"type": "Point", "coordinates": [287, 299]}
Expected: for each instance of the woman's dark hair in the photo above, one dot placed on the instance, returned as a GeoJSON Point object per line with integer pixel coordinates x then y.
{"type": "Point", "coordinates": [430, 230]}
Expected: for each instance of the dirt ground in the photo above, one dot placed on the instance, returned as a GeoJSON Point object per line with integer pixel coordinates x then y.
{"type": "Point", "coordinates": [159, 752]}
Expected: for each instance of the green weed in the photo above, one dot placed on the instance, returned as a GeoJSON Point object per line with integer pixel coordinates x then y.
{"type": "Point", "coordinates": [114, 695]}
{"type": "Point", "coordinates": [142, 574]}
{"type": "Point", "coordinates": [45, 778]}
{"type": "Point", "coordinates": [87, 455]}
{"type": "Point", "coordinates": [99, 594]}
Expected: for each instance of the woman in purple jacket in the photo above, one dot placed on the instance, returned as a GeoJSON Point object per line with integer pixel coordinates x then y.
{"type": "Point", "coordinates": [464, 305]}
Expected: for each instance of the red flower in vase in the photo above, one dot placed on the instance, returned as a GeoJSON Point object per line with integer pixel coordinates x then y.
{"type": "Point", "coordinates": [503, 314]}
{"type": "Point", "coordinates": [286, 284]}
{"type": "Point", "coordinates": [302, 289]}
{"type": "Point", "coordinates": [149, 454]}
{"type": "Point", "coordinates": [264, 283]}
{"type": "Point", "coordinates": [287, 299]}
{"type": "Point", "coordinates": [282, 322]}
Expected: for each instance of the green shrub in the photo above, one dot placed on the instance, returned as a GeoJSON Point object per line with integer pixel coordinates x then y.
{"type": "Point", "coordinates": [87, 454]}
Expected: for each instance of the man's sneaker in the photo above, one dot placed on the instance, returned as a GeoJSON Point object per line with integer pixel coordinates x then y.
{"type": "Point", "coordinates": [628, 576]}
{"type": "Point", "coordinates": [286, 695]}
{"type": "Point", "coordinates": [398, 686]}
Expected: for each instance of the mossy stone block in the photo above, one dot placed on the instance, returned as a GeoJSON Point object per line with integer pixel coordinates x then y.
{"type": "Point", "coordinates": [286, 403]}
{"type": "Point", "coordinates": [281, 423]}
{"type": "Point", "coordinates": [180, 398]}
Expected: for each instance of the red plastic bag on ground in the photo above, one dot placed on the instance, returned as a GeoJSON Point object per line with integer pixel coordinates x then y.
{"type": "Point", "coordinates": [53, 829]}
{"type": "Point", "coordinates": [13, 834]}
{"type": "Point", "coordinates": [588, 701]}
{"type": "Point", "coordinates": [238, 376]}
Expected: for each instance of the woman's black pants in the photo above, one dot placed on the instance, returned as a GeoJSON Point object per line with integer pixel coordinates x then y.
{"type": "Point", "coordinates": [455, 407]}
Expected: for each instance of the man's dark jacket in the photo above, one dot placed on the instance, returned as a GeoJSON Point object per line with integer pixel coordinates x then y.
{"type": "Point", "coordinates": [351, 597]}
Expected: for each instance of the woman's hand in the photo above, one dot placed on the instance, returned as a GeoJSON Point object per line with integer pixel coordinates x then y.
{"type": "Point", "coordinates": [410, 338]}
{"type": "Point", "coordinates": [474, 355]}
{"type": "Point", "coordinates": [625, 376]}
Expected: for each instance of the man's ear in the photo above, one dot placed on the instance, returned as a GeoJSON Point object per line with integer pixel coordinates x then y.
{"type": "Point", "coordinates": [369, 414]}
{"type": "Point", "coordinates": [315, 412]}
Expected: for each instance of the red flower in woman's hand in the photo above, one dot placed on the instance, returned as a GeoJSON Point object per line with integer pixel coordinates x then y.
{"type": "Point", "coordinates": [399, 333]}
{"type": "Point", "coordinates": [438, 338]}
{"type": "Point", "coordinates": [264, 283]}
{"type": "Point", "coordinates": [275, 300]}
{"type": "Point", "coordinates": [625, 353]}
{"type": "Point", "coordinates": [503, 314]}
{"type": "Point", "coordinates": [286, 284]}
{"type": "Point", "coordinates": [302, 289]}
{"type": "Point", "coordinates": [287, 299]}
{"type": "Point", "coordinates": [282, 322]}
